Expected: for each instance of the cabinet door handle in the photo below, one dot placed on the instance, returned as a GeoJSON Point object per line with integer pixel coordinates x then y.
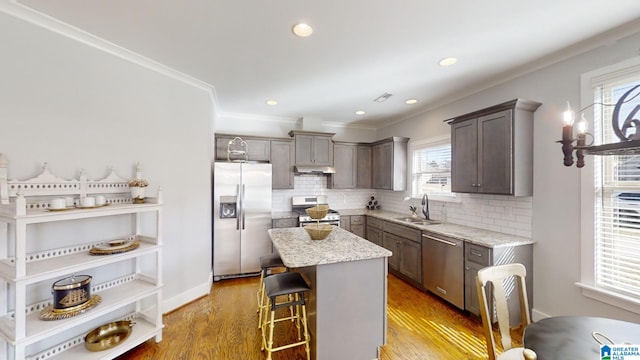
{"type": "Point", "coordinates": [440, 240]}
{"type": "Point", "coordinates": [475, 253]}
{"type": "Point", "coordinates": [479, 185]}
{"type": "Point", "coordinates": [441, 290]}
{"type": "Point", "coordinates": [473, 185]}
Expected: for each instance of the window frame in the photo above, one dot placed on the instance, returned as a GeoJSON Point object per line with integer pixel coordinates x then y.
{"type": "Point", "coordinates": [588, 198]}
{"type": "Point", "coordinates": [421, 144]}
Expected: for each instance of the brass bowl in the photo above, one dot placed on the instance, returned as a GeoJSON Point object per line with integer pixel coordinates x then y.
{"type": "Point", "coordinates": [108, 335]}
{"type": "Point", "coordinates": [318, 231]}
{"type": "Point", "coordinates": [318, 211]}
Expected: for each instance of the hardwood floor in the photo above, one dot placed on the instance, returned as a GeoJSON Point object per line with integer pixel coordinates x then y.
{"type": "Point", "coordinates": [223, 326]}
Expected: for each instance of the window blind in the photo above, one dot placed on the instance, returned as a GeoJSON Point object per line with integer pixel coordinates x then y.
{"type": "Point", "coordinates": [617, 208]}
{"type": "Point", "coordinates": [432, 169]}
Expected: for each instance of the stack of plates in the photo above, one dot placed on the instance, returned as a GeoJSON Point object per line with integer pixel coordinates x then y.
{"type": "Point", "coordinates": [114, 247]}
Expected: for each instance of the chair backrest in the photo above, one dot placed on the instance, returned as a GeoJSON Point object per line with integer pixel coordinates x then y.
{"type": "Point", "coordinates": [502, 277]}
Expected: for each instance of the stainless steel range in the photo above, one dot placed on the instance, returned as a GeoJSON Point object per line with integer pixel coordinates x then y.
{"type": "Point", "coordinates": [300, 203]}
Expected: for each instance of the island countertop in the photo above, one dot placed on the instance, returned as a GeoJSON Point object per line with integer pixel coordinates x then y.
{"type": "Point", "coordinates": [298, 250]}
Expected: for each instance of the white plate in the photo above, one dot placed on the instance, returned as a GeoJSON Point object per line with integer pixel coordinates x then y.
{"type": "Point", "coordinates": [107, 246]}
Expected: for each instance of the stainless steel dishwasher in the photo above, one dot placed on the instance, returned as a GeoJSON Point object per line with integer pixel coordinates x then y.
{"type": "Point", "coordinates": [443, 267]}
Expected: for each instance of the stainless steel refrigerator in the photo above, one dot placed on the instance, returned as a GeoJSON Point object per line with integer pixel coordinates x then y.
{"type": "Point", "coordinates": [241, 217]}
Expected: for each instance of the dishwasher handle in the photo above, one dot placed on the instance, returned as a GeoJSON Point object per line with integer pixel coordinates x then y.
{"type": "Point", "coordinates": [451, 243]}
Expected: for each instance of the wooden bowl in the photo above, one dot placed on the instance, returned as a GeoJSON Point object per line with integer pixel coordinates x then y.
{"type": "Point", "coordinates": [318, 231]}
{"type": "Point", "coordinates": [318, 211]}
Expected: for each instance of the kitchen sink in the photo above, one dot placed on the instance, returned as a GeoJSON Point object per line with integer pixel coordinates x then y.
{"type": "Point", "coordinates": [418, 220]}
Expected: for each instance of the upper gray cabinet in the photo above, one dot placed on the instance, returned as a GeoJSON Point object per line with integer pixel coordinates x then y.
{"type": "Point", "coordinates": [258, 148]}
{"type": "Point", "coordinates": [492, 150]}
{"type": "Point", "coordinates": [363, 165]}
{"type": "Point", "coordinates": [344, 162]}
{"type": "Point", "coordinates": [282, 154]}
{"type": "Point", "coordinates": [389, 164]}
{"type": "Point", "coordinates": [313, 148]}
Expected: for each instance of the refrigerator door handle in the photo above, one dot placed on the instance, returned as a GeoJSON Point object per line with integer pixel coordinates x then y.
{"type": "Point", "coordinates": [242, 197]}
{"type": "Point", "coordinates": [238, 206]}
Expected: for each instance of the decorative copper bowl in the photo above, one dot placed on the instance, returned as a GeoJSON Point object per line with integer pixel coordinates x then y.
{"type": "Point", "coordinates": [108, 335]}
{"type": "Point", "coordinates": [318, 211]}
{"type": "Point", "coordinates": [318, 231]}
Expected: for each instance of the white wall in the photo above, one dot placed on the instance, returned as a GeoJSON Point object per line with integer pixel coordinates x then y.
{"type": "Point", "coordinates": [556, 200]}
{"type": "Point", "coordinates": [76, 106]}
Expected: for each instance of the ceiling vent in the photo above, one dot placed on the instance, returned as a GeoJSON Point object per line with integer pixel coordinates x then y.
{"type": "Point", "coordinates": [382, 98]}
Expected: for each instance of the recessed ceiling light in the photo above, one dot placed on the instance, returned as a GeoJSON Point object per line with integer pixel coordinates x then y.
{"type": "Point", "coordinates": [448, 61]}
{"type": "Point", "coordinates": [271, 102]}
{"type": "Point", "coordinates": [302, 30]}
{"type": "Point", "coordinates": [411, 101]}
{"type": "Point", "coordinates": [360, 112]}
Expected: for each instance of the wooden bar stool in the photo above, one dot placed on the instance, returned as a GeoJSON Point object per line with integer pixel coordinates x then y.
{"type": "Point", "coordinates": [268, 262]}
{"type": "Point", "coordinates": [293, 286]}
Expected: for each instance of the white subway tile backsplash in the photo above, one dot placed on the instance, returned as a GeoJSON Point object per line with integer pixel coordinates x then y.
{"type": "Point", "coordinates": [505, 214]}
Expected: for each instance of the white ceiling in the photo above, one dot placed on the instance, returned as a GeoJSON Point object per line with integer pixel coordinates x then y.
{"type": "Point", "coordinates": [360, 48]}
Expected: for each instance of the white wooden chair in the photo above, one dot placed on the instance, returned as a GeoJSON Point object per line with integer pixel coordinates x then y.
{"type": "Point", "coordinates": [497, 275]}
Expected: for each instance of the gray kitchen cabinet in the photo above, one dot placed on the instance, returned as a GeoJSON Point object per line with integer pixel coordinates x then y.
{"type": "Point", "coordinates": [477, 257]}
{"type": "Point", "coordinates": [358, 224]}
{"type": "Point", "coordinates": [282, 155]}
{"type": "Point", "coordinates": [258, 148]}
{"type": "Point", "coordinates": [363, 167]}
{"type": "Point", "coordinates": [354, 224]}
{"type": "Point", "coordinates": [344, 162]}
{"type": "Point", "coordinates": [389, 164]}
{"type": "Point", "coordinates": [492, 149]}
{"type": "Point", "coordinates": [284, 223]}
{"type": "Point", "coordinates": [345, 222]}
{"type": "Point", "coordinates": [405, 244]}
{"type": "Point", "coordinates": [313, 148]}
{"type": "Point", "coordinates": [374, 230]}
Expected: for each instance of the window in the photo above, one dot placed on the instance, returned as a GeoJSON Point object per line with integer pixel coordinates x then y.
{"type": "Point", "coordinates": [617, 206]}
{"type": "Point", "coordinates": [431, 168]}
{"type": "Point", "coordinates": [610, 249]}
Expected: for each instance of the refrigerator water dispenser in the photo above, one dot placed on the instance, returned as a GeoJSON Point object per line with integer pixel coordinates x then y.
{"type": "Point", "coordinates": [228, 207]}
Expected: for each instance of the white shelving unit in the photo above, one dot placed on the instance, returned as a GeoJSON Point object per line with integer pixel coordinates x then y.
{"type": "Point", "coordinates": [27, 270]}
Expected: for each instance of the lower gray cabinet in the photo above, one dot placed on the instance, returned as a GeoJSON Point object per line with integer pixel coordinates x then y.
{"type": "Point", "coordinates": [405, 244]}
{"type": "Point", "coordinates": [477, 257]}
{"type": "Point", "coordinates": [354, 224]}
{"type": "Point", "coordinates": [374, 230]}
{"type": "Point", "coordinates": [374, 235]}
{"type": "Point", "coordinates": [284, 223]}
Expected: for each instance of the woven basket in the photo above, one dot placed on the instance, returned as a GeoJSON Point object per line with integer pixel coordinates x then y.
{"type": "Point", "coordinates": [318, 211]}
{"type": "Point", "coordinates": [318, 231]}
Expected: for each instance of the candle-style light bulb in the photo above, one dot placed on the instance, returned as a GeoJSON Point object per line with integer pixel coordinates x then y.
{"type": "Point", "coordinates": [568, 116]}
{"type": "Point", "coordinates": [582, 125]}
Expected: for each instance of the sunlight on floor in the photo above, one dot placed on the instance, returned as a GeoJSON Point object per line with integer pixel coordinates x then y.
{"type": "Point", "coordinates": [456, 337]}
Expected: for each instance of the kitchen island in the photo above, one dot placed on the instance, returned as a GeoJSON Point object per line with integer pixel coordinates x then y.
{"type": "Point", "coordinates": [347, 306]}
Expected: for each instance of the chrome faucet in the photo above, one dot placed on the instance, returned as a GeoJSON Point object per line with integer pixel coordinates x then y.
{"type": "Point", "coordinates": [425, 206]}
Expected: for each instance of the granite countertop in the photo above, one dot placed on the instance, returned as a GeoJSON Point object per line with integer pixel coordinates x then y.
{"type": "Point", "coordinates": [298, 250]}
{"type": "Point", "coordinates": [468, 234]}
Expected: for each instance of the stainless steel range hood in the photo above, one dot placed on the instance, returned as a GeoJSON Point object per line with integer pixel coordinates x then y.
{"type": "Point", "coordinates": [314, 170]}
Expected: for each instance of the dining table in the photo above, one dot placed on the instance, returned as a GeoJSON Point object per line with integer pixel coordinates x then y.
{"type": "Point", "coordinates": [578, 337]}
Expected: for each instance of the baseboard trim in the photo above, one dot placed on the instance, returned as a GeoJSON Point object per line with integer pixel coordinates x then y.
{"type": "Point", "coordinates": [188, 296]}
{"type": "Point", "coordinates": [537, 315]}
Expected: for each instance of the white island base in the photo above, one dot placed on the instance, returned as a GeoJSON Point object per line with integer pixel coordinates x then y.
{"type": "Point", "coordinates": [347, 307]}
